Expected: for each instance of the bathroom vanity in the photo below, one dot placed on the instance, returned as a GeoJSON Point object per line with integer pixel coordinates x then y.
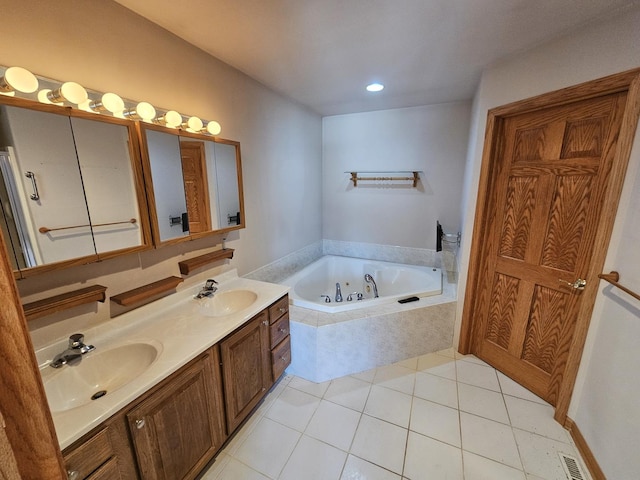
{"type": "Point", "coordinates": [214, 361]}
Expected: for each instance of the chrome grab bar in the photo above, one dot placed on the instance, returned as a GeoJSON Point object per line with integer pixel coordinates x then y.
{"type": "Point", "coordinates": [35, 196]}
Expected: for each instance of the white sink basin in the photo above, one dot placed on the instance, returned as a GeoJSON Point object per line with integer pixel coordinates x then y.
{"type": "Point", "coordinates": [99, 373]}
{"type": "Point", "coordinates": [227, 303]}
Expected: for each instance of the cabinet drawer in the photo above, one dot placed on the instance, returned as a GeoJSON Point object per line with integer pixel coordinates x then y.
{"type": "Point", "coordinates": [90, 455]}
{"type": "Point", "coordinates": [279, 330]}
{"type": "Point", "coordinates": [278, 309]}
{"type": "Point", "coordinates": [109, 471]}
{"type": "Point", "coordinates": [281, 357]}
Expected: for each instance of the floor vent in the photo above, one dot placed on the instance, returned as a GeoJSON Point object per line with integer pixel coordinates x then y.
{"type": "Point", "coordinates": [571, 467]}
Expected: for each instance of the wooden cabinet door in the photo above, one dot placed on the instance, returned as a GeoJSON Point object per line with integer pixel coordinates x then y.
{"type": "Point", "coordinates": [246, 368]}
{"type": "Point", "coordinates": [194, 174]}
{"type": "Point", "coordinates": [179, 428]}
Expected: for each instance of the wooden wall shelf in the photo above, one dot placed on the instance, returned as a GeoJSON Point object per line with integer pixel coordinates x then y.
{"type": "Point", "coordinates": [64, 301]}
{"type": "Point", "coordinates": [140, 294]}
{"type": "Point", "coordinates": [188, 266]}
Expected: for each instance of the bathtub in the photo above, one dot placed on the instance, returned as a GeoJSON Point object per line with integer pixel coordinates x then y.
{"type": "Point", "coordinates": [311, 286]}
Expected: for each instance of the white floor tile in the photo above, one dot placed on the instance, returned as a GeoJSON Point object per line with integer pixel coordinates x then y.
{"type": "Point", "coordinates": [349, 392]}
{"type": "Point", "coordinates": [540, 455]}
{"type": "Point", "coordinates": [396, 377]}
{"type": "Point", "coordinates": [482, 402]}
{"type": "Point", "coordinates": [314, 460]}
{"type": "Point", "coordinates": [429, 459]}
{"type": "Point", "coordinates": [366, 376]}
{"type": "Point", "coordinates": [480, 468]}
{"type": "Point", "coordinates": [510, 387]}
{"type": "Point", "coordinates": [236, 470]}
{"type": "Point", "coordinates": [214, 470]}
{"type": "Point", "coordinates": [489, 439]}
{"type": "Point", "coordinates": [477, 375]}
{"type": "Point", "coordinates": [381, 443]}
{"type": "Point", "coordinates": [411, 363]}
{"type": "Point", "coordinates": [312, 388]}
{"type": "Point", "coordinates": [436, 389]}
{"type": "Point", "coordinates": [358, 469]}
{"type": "Point", "coordinates": [536, 418]}
{"type": "Point", "coordinates": [293, 408]}
{"type": "Point", "coordinates": [334, 424]}
{"type": "Point", "coordinates": [435, 421]}
{"type": "Point", "coordinates": [268, 447]}
{"type": "Point", "coordinates": [389, 405]}
{"type": "Point", "coordinates": [472, 359]}
{"type": "Point", "coordinates": [432, 363]}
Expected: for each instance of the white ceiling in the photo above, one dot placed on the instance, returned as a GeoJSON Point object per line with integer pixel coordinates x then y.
{"type": "Point", "coordinates": [322, 53]}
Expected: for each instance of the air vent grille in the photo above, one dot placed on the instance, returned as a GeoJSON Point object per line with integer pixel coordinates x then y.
{"type": "Point", "coordinates": [571, 467]}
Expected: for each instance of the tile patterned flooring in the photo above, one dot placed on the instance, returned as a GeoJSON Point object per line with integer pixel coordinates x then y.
{"type": "Point", "coordinates": [438, 416]}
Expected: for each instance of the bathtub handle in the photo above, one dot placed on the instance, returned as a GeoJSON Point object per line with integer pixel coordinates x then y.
{"type": "Point", "coordinates": [327, 298]}
{"type": "Point", "coordinates": [359, 296]}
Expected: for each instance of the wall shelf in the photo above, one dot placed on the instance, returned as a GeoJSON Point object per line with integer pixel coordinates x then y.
{"type": "Point", "coordinates": [188, 266]}
{"type": "Point", "coordinates": [64, 301]}
{"type": "Point", "coordinates": [146, 292]}
{"type": "Point", "coordinates": [388, 176]}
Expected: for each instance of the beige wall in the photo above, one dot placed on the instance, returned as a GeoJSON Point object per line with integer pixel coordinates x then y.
{"type": "Point", "coordinates": [607, 394]}
{"type": "Point", "coordinates": [105, 47]}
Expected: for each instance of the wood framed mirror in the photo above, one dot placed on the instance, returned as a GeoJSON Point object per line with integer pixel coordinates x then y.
{"type": "Point", "coordinates": [71, 186]}
{"type": "Point", "coordinates": [194, 184]}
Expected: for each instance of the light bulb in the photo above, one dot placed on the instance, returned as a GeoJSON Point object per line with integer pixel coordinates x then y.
{"type": "Point", "coordinates": [375, 87]}
{"type": "Point", "coordinates": [194, 124]}
{"type": "Point", "coordinates": [108, 102]}
{"type": "Point", "coordinates": [18, 79]}
{"type": "Point", "coordinates": [144, 111]}
{"type": "Point", "coordinates": [72, 92]}
{"type": "Point", "coordinates": [214, 127]}
{"type": "Point", "coordinates": [43, 97]}
{"type": "Point", "coordinates": [171, 119]}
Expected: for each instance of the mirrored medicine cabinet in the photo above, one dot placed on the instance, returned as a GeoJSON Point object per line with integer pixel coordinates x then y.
{"type": "Point", "coordinates": [71, 187]}
{"type": "Point", "coordinates": [78, 187]}
{"type": "Point", "coordinates": [194, 184]}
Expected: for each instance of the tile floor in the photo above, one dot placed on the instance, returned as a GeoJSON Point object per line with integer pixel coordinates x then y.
{"type": "Point", "coordinates": [438, 416]}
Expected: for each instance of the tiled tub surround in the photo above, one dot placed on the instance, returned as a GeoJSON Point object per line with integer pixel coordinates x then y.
{"type": "Point", "coordinates": [176, 325]}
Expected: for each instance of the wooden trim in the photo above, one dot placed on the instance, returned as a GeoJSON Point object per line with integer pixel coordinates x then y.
{"type": "Point", "coordinates": [64, 301]}
{"type": "Point", "coordinates": [188, 266]}
{"type": "Point", "coordinates": [585, 452]}
{"type": "Point", "coordinates": [629, 81]}
{"type": "Point", "coordinates": [141, 294]}
{"type": "Point", "coordinates": [29, 426]}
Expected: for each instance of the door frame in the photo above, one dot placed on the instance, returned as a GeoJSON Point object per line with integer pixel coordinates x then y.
{"type": "Point", "coordinates": [628, 81]}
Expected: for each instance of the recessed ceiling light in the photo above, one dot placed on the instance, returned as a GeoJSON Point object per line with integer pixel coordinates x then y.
{"type": "Point", "coordinates": [374, 87]}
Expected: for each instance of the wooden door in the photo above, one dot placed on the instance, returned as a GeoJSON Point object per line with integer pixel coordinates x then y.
{"type": "Point", "coordinates": [246, 368]}
{"type": "Point", "coordinates": [194, 174]}
{"type": "Point", "coordinates": [179, 428]}
{"type": "Point", "coordinates": [548, 185]}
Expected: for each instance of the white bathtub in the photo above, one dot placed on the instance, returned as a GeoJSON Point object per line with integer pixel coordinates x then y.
{"type": "Point", "coordinates": [395, 281]}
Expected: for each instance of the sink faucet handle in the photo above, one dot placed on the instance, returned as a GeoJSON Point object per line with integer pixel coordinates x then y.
{"type": "Point", "coordinates": [76, 340]}
{"type": "Point", "coordinates": [209, 284]}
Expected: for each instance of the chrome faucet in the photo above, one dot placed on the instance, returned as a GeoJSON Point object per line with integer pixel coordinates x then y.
{"type": "Point", "coordinates": [369, 279]}
{"type": "Point", "coordinates": [74, 352]}
{"type": "Point", "coordinates": [359, 296]}
{"type": "Point", "coordinates": [338, 293]}
{"type": "Point", "coordinates": [208, 290]}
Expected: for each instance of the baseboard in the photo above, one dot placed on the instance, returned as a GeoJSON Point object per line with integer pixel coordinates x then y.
{"type": "Point", "coordinates": [585, 452]}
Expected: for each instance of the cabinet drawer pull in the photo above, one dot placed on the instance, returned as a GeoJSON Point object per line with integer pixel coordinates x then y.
{"type": "Point", "coordinates": [282, 309]}
{"type": "Point", "coordinates": [282, 330]}
{"type": "Point", "coordinates": [72, 475]}
{"type": "Point", "coordinates": [283, 358]}
{"type": "Point", "coordinates": [140, 423]}
{"type": "Point", "coordinates": [265, 322]}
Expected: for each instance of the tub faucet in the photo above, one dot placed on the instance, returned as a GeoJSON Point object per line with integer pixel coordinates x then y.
{"type": "Point", "coordinates": [74, 352]}
{"type": "Point", "coordinates": [369, 279]}
{"type": "Point", "coordinates": [338, 293]}
{"type": "Point", "coordinates": [208, 290]}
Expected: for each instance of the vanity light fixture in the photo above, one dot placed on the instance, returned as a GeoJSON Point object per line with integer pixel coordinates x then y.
{"type": "Point", "coordinates": [143, 111]}
{"type": "Point", "coordinates": [43, 97]}
{"type": "Point", "coordinates": [18, 79]}
{"type": "Point", "coordinates": [71, 92]}
{"type": "Point", "coordinates": [109, 102]}
{"type": "Point", "coordinates": [171, 119]}
{"type": "Point", "coordinates": [213, 128]}
{"type": "Point", "coordinates": [194, 124]}
{"type": "Point", "coordinates": [375, 87]}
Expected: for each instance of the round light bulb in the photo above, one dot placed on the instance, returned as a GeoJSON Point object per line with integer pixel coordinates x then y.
{"type": "Point", "coordinates": [72, 92]}
{"type": "Point", "coordinates": [12, 93]}
{"type": "Point", "coordinates": [20, 79]}
{"type": "Point", "coordinates": [375, 87]}
{"type": "Point", "coordinates": [214, 127]}
{"type": "Point", "coordinates": [172, 119]}
{"type": "Point", "coordinates": [146, 111]}
{"type": "Point", "coordinates": [194, 124]}
{"type": "Point", "coordinates": [109, 102]}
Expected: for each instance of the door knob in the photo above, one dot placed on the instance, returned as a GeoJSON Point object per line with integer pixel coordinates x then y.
{"type": "Point", "coordinates": [579, 284]}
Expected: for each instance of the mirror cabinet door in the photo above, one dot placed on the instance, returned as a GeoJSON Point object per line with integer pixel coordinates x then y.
{"type": "Point", "coordinates": [71, 186]}
{"type": "Point", "coordinates": [195, 185]}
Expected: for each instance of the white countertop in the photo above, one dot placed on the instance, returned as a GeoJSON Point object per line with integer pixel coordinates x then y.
{"type": "Point", "coordinates": [175, 327]}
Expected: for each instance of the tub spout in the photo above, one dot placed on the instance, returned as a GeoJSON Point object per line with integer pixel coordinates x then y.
{"type": "Point", "coordinates": [369, 279]}
{"type": "Point", "coordinates": [338, 293]}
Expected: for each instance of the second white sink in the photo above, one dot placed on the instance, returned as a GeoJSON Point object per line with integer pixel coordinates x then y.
{"type": "Point", "coordinates": [227, 303]}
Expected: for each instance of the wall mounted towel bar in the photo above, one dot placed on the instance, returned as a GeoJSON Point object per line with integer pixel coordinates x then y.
{"type": "Point", "coordinates": [47, 230]}
{"type": "Point", "coordinates": [613, 279]}
{"type": "Point", "coordinates": [385, 177]}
